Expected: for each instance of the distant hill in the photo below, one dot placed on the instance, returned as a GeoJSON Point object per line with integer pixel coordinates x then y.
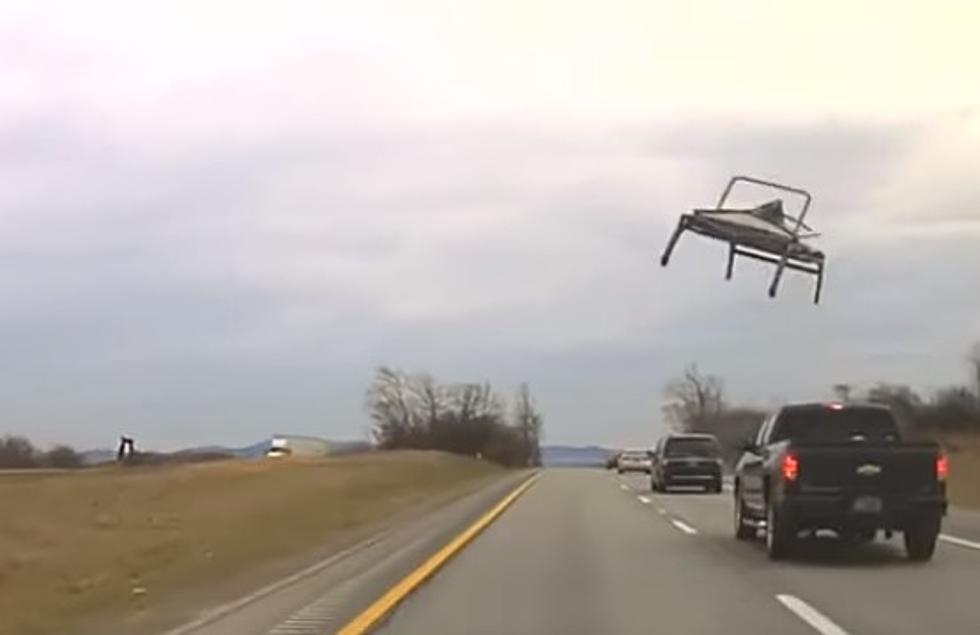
{"type": "Point", "coordinates": [569, 455]}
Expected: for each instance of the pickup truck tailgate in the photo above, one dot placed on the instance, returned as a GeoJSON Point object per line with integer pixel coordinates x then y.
{"type": "Point", "coordinates": [895, 473]}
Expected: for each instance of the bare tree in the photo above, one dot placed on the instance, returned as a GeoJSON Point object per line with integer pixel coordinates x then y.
{"type": "Point", "coordinates": [389, 404]}
{"type": "Point", "coordinates": [695, 400]}
{"type": "Point", "coordinates": [974, 360]}
{"type": "Point", "coordinates": [415, 411]}
{"type": "Point", "coordinates": [734, 426]}
{"type": "Point", "coordinates": [429, 399]}
{"type": "Point", "coordinates": [471, 420]}
{"type": "Point", "coordinates": [953, 407]}
{"type": "Point", "coordinates": [903, 401]}
{"type": "Point", "coordinates": [842, 392]}
{"type": "Point", "coordinates": [62, 456]}
{"type": "Point", "coordinates": [470, 401]}
{"type": "Point", "coordinates": [17, 452]}
{"type": "Point", "coordinates": [528, 422]}
{"type": "Point", "coordinates": [672, 412]}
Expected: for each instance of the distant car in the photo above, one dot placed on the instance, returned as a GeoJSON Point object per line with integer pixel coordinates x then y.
{"type": "Point", "coordinates": [687, 460]}
{"type": "Point", "coordinates": [633, 461]}
{"type": "Point", "coordinates": [612, 460]}
{"type": "Point", "coordinates": [841, 467]}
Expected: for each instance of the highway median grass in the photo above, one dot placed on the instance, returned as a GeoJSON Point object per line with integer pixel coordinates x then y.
{"type": "Point", "coordinates": [964, 468]}
{"type": "Point", "coordinates": [120, 544]}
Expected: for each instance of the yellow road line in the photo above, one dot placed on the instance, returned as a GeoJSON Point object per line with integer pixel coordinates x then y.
{"type": "Point", "coordinates": [384, 605]}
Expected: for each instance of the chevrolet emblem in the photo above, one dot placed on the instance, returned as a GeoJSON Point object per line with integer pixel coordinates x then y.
{"type": "Point", "coordinates": [869, 469]}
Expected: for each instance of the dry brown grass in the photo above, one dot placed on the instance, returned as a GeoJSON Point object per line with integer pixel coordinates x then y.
{"type": "Point", "coordinates": [119, 541]}
{"type": "Point", "coordinates": [964, 468]}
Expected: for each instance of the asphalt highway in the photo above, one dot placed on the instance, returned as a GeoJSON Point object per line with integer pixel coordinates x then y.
{"type": "Point", "coordinates": [587, 551]}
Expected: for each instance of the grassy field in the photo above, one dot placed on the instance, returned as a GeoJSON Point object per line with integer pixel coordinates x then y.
{"type": "Point", "coordinates": [124, 542]}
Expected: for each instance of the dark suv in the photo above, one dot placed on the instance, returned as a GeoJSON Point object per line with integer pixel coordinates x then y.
{"type": "Point", "coordinates": [687, 460]}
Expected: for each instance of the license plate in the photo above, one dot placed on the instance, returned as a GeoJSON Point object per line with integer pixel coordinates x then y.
{"type": "Point", "coordinates": [867, 504]}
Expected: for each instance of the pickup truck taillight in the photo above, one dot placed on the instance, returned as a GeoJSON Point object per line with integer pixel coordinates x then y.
{"type": "Point", "coordinates": [790, 467]}
{"type": "Point", "coordinates": [942, 467]}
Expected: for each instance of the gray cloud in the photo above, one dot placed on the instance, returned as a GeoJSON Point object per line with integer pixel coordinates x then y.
{"type": "Point", "coordinates": [218, 289]}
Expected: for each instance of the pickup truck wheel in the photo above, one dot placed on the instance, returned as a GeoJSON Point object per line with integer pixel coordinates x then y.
{"type": "Point", "coordinates": [920, 538]}
{"type": "Point", "coordinates": [780, 535]}
{"type": "Point", "coordinates": [743, 531]}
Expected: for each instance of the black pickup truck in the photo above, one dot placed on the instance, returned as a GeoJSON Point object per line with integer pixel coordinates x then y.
{"type": "Point", "coordinates": [841, 467]}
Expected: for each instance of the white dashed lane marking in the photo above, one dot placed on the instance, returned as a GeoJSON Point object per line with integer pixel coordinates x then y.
{"type": "Point", "coordinates": [959, 542]}
{"type": "Point", "coordinates": [820, 622]}
{"type": "Point", "coordinates": [683, 526]}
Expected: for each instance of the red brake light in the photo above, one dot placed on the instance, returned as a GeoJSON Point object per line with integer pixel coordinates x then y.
{"type": "Point", "coordinates": [790, 467]}
{"type": "Point", "coordinates": [836, 406]}
{"type": "Point", "coordinates": [942, 467]}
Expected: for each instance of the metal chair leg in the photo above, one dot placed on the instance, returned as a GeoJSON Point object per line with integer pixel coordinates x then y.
{"type": "Point", "coordinates": [778, 275]}
{"type": "Point", "coordinates": [816, 293]}
{"type": "Point", "coordinates": [681, 226]}
{"type": "Point", "coordinates": [731, 261]}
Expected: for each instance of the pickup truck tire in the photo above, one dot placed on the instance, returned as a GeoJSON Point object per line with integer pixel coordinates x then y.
{"type": "Point", "coordinates": [743, 531]}
{"type": "Point", "coordinates": [920, 538]}
{"type": "Point", "coordinates": [780, 535]}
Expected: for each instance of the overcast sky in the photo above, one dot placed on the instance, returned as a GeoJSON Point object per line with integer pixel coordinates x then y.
{"type": "Point", "coordinates": [216, 218]}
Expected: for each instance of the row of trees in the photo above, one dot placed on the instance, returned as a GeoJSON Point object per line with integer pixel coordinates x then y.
{"type": "Point", "coordinates": [416, 411]}
{"type": "Point", "coordinates": [18, 452]}
{"type": "Point", "coordinates": [948, 409]}
{"type": "Point", "coordinates": [695, 402]}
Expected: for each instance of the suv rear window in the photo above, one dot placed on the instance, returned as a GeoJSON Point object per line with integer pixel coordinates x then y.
{"type": "Point", "coordinates": [635, 456]}
{"type": "Point", "coordinates": [707, 448]}
{"type": "Point", "coordinates": [827, 425]}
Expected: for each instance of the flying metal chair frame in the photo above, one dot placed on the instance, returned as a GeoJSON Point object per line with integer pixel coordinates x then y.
{"type": "Point", "coordinates": [763, 233]}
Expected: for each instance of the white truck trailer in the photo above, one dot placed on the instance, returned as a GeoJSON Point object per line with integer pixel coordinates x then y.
{"type": "Point", "coordinates": [298, 446]}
